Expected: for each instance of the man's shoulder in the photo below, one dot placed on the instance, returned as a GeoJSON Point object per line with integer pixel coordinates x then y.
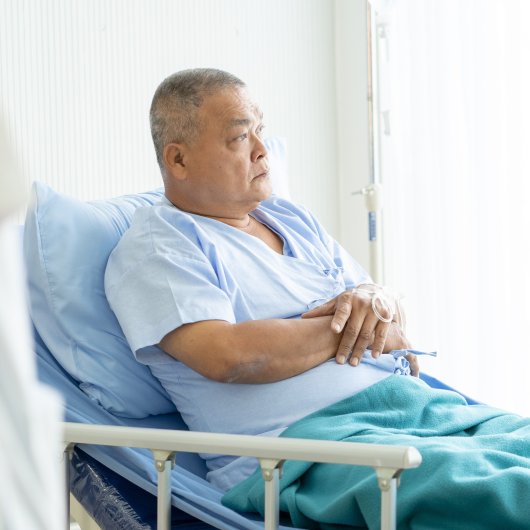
{"type": "Point", "coordinates": [290, 212]}
{"type": "Point", "coordinates": [154, 230]}
{"type": "Point", "coordinates": [276, 204]}
{"type": "Point", "coordinates": [152, 224]}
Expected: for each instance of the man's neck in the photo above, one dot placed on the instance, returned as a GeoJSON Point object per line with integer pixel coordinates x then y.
{"type": "Point", "coordinates": [240, 220]}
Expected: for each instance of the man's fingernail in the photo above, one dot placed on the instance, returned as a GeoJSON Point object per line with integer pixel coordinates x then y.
{"type": "Point", "coordinates": [336, 328]}
{"type": "Point", "coordinates": [354, 361]}
{"type": "Point", "coordinates": [375, 354]}
{"type": "Point", "coordinates": [341, 359]}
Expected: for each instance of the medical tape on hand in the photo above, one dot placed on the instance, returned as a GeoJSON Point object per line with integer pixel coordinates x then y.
{"type": "Point", "coordinates": [401, 364]}
{"type": "Point", "coordinates": [383, 300]}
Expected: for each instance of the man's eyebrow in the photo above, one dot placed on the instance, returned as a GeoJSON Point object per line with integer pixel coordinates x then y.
{"type": "Point", "coordinates": [237, 122]}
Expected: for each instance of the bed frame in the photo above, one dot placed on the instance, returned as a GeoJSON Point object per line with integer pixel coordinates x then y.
{"type": "Point", "coordinates": [387, 461]}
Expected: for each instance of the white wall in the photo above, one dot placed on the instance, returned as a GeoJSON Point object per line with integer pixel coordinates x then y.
{"type": "Point", "coordinates": [77, 77]}
{"type": "Point", "coordinates": [352, 124]}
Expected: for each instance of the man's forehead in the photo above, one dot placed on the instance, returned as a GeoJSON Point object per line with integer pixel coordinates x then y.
{"type": "Point", "coordinates": [235, 107]}
{"type": "Point", "coordinates": [239, 118]}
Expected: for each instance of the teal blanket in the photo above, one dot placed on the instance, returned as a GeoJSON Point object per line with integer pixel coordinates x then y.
{"type": "Point", "coordinates": [475, 472]}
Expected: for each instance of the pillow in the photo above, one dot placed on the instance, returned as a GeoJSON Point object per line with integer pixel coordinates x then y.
{"type": "Point", "coordinates": [277, 153]}
{"type": "Point", "coordinates": [67, 243]}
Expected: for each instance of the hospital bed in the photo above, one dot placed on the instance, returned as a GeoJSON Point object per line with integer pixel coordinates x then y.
{"type": "Point", "coordinates": [129, 459]}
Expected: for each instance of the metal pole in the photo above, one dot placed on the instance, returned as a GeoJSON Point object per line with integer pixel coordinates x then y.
{"type": "Point", "coordinates": [374, 212]}
{"type": "Point", "coordinates": [271, 472]}
{"type": "Point", "coordinates": [272, 501]}
{"type": "Point", "coordinates": [388, 481]}
{"type": "Point", "coordinates": [388, 505]}
{"type": "Point", "coordinates": [67, 457]}
{"type": "Point", "coordinates": [372, 200]}
{"type": "Point", "coordinates": [164, 462]}
{"type": "Point", "coordinates": [370, 93]}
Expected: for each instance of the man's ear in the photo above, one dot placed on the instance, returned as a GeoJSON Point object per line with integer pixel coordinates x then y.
{"type": "Point", "coordinates": [173, 156]}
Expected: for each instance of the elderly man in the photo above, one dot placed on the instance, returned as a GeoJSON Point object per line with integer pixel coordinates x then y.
{"type": "Point", "coordinates": [209, 285]}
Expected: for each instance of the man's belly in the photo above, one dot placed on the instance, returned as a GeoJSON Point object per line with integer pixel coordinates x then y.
{"type": "Point", "coordinates": [262, 409]}
{"type": "Point", "coordinates": [207, 405]}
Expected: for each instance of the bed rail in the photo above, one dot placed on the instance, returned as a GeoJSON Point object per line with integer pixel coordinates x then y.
{"type": "Point", "coordinates": [388, 461]}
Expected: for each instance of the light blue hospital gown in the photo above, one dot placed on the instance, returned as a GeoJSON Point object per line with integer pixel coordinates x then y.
{"type": "Point", "coordinates": [172, 268]}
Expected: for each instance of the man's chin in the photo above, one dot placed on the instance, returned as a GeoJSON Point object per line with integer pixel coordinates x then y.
{"type": "Point", "coordinates": [263, 185]}
{"type": "Point", "coordinates": [266, 193]}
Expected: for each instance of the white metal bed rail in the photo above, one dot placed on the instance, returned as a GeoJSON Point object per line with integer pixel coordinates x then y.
{"type": "Point", "coordinates": [388, 461]}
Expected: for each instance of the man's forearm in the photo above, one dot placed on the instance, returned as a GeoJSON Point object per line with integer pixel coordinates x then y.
{"type": "Point", "coordinates": [255, 351]}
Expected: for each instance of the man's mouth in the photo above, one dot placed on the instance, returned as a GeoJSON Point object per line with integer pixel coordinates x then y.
{"type": "Point", "coordinates": [263, 174]}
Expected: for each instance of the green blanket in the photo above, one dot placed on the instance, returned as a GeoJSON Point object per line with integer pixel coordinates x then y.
{"type": "Point", "coordinates": [475, 472]}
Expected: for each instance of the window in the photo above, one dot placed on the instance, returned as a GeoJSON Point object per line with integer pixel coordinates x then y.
{"type": "Point", "coordinates": [455, 166]}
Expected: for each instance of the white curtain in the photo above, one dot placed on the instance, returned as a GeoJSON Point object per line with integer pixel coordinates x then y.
{"type": "Point", "coordinates": [31, 485]}
{"type": "Point", "coordinates": [455, 165]}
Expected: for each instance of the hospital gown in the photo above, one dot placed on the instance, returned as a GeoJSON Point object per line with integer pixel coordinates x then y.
{"type": "Point", "coordinates": [172, 268]}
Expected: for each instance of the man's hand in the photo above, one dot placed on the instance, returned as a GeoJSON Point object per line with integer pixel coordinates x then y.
{"type": "Point", "coordinates": [354, 317]}
{"type": "Point", "coordinates": [396, 340]}
{"type": "Point", "coordinates": [414, 364]}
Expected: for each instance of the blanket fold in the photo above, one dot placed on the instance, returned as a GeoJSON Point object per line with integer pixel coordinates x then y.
{"type": "Point", "coordinates": [475, 472]}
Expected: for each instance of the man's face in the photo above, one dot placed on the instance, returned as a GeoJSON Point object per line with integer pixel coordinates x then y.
{"type": "Point", "coordinates": [227, 166]}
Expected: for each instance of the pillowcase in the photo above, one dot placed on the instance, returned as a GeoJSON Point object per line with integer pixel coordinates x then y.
{"type": "Point", "coordinates": [277, 154]}
{"type": "Point", "coordinates": [67, 243]}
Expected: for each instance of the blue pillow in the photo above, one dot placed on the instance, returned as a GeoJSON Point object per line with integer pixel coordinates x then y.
{"type": "Point", "coordinates": [277, 155]}
{"type": "Point", "coordinates": [67, 243]}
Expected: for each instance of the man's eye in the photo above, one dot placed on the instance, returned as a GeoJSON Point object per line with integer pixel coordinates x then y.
{"type": "Point", "coordinates": [242, 137]}
{"type": "Point", "coordinates": [260, 130]}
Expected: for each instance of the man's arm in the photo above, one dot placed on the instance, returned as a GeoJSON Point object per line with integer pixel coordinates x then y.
{"type": "Point", "coordinates": [255, 351]}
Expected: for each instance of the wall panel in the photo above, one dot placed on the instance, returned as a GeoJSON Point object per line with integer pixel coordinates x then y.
{"type": "Point", "coordinates": [77, 77]}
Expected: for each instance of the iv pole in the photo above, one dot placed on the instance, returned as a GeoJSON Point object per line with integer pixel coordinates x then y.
{"type": "Point", "coordinates": [372, 192]}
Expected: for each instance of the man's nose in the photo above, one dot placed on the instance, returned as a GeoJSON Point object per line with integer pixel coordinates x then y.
{"type": "Point", "coordinates": [259, 150]}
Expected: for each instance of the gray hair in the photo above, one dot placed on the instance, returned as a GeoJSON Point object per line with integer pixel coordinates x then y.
{"type": "Point", "coordinates": [175, 105]}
